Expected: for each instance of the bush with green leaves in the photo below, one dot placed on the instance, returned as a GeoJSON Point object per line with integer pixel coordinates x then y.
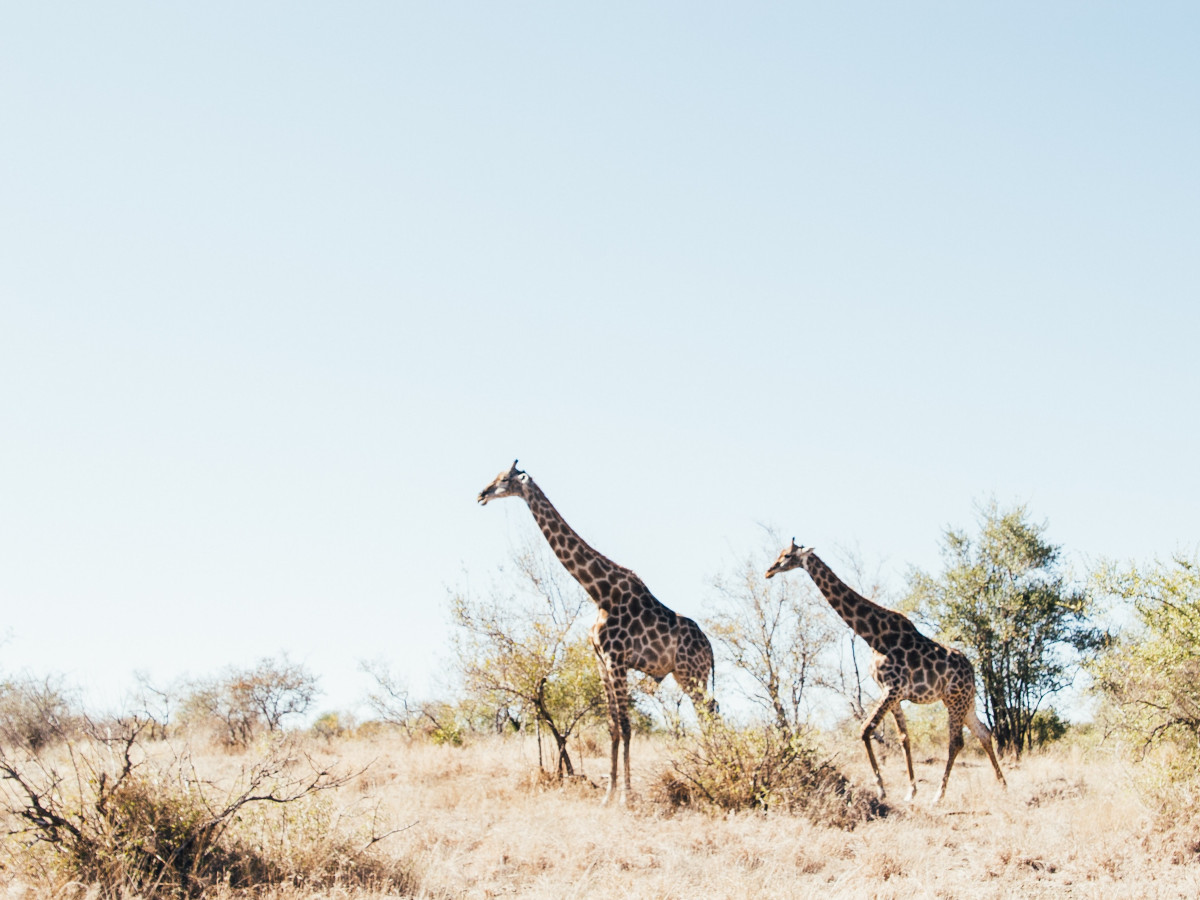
{"type": "Point", "coordinates": [1005, 599]}
{"type": "Point", "coordinates": [524, 652]}
{"type": "Point", "coordinates": [1150, 676]}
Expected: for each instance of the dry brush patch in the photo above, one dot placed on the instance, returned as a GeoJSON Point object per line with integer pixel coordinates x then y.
{"type": "Point", "coordinates": [478, 822]}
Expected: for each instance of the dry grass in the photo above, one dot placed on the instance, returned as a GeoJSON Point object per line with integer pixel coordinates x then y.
{"type": "Point", "coordinates": [478, 821]}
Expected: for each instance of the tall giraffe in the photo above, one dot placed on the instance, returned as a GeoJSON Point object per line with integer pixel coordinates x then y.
{"type": "Point", "coordinates": [633, 630]}
{"type": "Point", "coordinates": [905, 664]}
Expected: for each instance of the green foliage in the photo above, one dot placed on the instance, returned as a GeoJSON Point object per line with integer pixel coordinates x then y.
{"type": "Point", "coordinates": [332, 725]}
{"type": "Point", "coordinates": [1047, 727]}
{"type": "Point", "coordinates": [1151, 676]}
{"type": "Point", "coordinates": [1004, 598]}
{"type": "Point", "coordinates": [525, 653]}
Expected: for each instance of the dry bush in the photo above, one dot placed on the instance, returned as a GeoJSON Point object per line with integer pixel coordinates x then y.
{"type": "Point", "coordinates": [130, 818]}
{"type": "Point", "coordinates": [762, 767]}
{"type": "Point", "coordinates": [35, 713]}
{"type": "Point", "coordinates": [240, 704]}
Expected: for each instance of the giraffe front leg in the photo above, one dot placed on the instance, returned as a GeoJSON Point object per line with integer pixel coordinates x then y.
{"type": "Point", "coordinates": [902, 727]}
{"type": "Point", "coordinates": [621, 692]}
{"type": "Point", "coordinates": [614, 730]}
{"type": "Point", "coordinates": [868, 729]}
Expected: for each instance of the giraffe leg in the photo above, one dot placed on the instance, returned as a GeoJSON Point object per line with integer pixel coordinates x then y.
{"type": "Point", "coordinates": [881, 710]}
{"type": "Point", "coordinates": [902, 728]}
{"type": "Point", "coordinates": [697, 690]}
{"type": "Point", "coordinates": [985, 737]}
{"type": "Point", "coordinates": [694, 669]}
{"type": "Point", "coordinates": [956, 743]}
{"type": "Point", "coordinates": [620, 681]}
{"type": "Point", "coordinates": [614, 730]}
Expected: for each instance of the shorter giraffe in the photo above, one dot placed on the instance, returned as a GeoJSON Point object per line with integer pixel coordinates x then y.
{"type": "Point", "coordinates": [633, 630]}
{"type": "Point", "coordinates": [905, 664]}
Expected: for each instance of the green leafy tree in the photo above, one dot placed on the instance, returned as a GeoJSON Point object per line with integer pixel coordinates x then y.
{"type": "Point", "coordinates": [1004, 597]}
{"type": "Point", "coordinates": [527, 653]}
{"type": "Point", "coordinates": [1151, 675]}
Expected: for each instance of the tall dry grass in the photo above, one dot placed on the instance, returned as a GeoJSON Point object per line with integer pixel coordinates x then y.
{"type": "Point", "coordinates": [480, 821]}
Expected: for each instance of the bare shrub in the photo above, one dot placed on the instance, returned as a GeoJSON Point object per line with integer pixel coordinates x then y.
{"type": "Point", "coordinates": [776, 633]}
{"type": "Point", "coordinates": [110, 810]}
{"type": "Point", "coordinates": [763, 767]}
{"type": "Point", "coordinates": [389, 699]}
{"type": "Point", "coordinates": [34, 713]}
{"type": "Point", "coordinates": [239, 704]}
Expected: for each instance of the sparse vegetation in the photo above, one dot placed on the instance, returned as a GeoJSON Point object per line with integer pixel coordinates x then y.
{"type": "Point", "coordinates": [475, 821]}
{"type": "Point", "coordinates": [1150, 678]}
{"type": "Point", "coordinates": [526, 654]}
{"type": "Point", "coordinates": [1004, 598]}
{"type": "Point", "coordinates": [239, 704]}
{"type": "Point", "coordinates": [204, 792]}
{"type": "Point", "coordinates": [134, 816]}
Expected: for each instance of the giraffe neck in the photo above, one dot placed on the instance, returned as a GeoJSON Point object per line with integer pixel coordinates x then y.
{"type": "Point", "coordinates": [585, 564]}
{"type": "Point", "coordinates": [870, 621]}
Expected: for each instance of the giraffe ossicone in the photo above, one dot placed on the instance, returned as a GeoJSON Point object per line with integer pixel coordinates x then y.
{"type": "Point", "coordinates": [633, 630]}
{"type": "Point", "coordinates": [904, 663]}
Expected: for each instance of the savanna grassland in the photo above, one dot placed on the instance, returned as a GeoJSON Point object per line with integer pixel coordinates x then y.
{"type": "Point", "coordinates": [483, 820]}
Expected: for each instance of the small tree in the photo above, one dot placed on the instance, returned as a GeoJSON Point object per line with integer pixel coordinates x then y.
{"type": "Point", "coordinates": [1004, 598]}
{"type": "Point", "coordinates": [1151, 675]}
{"type": "Point", "coordinates": [241, 702]}
{"type": "Point", "coordinates": [775, 632]}
{"type": "Point", "coordinates": [36, 712]}
{"type": "Point", "coordinates": [527, 653]}
{"type": "Point", "coordinates": [389, 698]}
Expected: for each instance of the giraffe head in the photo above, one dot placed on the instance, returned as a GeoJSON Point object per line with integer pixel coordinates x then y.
{"type": "Point", "coordinates": [790, 558]}
{"type": "Point", "coordinates": [510, 482]}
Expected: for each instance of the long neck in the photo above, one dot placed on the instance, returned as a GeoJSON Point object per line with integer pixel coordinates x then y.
{"type": "Point", "coordinates": [869, 620]}
{"type": "Point", "coordinates": [586, 565]}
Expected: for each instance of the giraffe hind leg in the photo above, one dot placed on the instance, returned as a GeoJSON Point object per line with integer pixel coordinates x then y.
{"type": "Point", "coordinates": [697, 691]}
{"type": "Point", "coordinates": [956, 715]}
{"type": "Point", "coordinates": [985, 737]}
{"type": "Point", "coordinates": [902, 728]}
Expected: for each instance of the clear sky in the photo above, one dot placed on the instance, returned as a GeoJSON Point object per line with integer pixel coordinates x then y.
{"type": "Point", "coordinates": [283, 286]}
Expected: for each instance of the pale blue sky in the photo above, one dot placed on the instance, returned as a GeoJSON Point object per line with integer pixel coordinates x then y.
{"type": "Point", "coordinates": [284, 285]}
